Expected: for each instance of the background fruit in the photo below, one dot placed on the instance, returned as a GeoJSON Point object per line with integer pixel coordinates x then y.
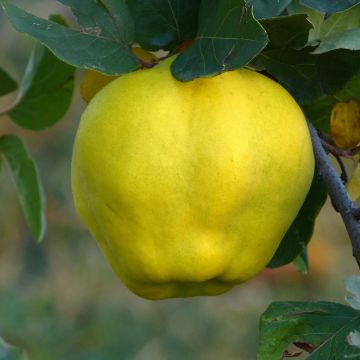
{"type": "Point", "coordinates": [345, 124]}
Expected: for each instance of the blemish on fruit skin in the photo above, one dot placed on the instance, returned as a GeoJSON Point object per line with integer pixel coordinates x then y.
{"type": "Point", "coordinates": [110, 208]}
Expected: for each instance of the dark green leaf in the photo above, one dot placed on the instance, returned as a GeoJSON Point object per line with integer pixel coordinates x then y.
{"type": "Point", "coordinates": [27, 183]}
{"type": "Point", "coordinates": [319, 111]}
{"type": "Point", "coordinates": [122, 18]}
{"type": "Point", "coordinates": [8, 352]}
{"type": "Point", "coordinates": [337, 68]}
{"type": "Point", "coordinates": [164, 24]}
{"type": "Point", "coordinates": [337, 23]}
{"type": "Point", "coordinates": [90, 47]}
{"type": "Point", "coordinates": [321, 327]}
{"type": "Point", "coordinates": [46, 91]}
{"type": "Point", "coordinates": [7, 84]}
{"type": "Point", "coordinates": [114, 23]}
{"type": "Point", "coordinates": [351, 91]}
{"type": "Point", "coordinates": [287, 31]}
{"type": "Point", "coordinates": [300, 232]}
{"type": "Point", "coordinates": [331, 6]}
{"type": "Point", "coordinates": [228, 38]}
{"type": "Point", "coordinates": [315, 17]}
{"type": "Point", "coordinates": [295, 70]}
{"type": "Point", "coordinates": [268, 8]}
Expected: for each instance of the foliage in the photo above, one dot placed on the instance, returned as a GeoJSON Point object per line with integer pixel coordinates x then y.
{"type": "Point", "coordinates": [221, 45]}
{"type": "Point", "coordinates": [322, 330]}
{"type": "Point", "coordinates": [310, 47]}
{"type": "Point", "coordinates": [8, 352]}
{"type": "Point", "coordinates": [299, 233]}
{"type": "Point", "coordinates": [45, 92]}
{"type": "Point", "coordinates": [26, 181]}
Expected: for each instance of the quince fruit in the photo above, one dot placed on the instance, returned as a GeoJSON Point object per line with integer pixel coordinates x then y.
{"type": "Point", "coordinates": [190, 187]}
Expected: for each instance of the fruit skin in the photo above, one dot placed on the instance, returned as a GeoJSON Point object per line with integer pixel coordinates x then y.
{"type": "Point", "coordinates": [190, 187]}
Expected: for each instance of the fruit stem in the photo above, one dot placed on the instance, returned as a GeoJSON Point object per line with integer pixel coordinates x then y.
{"type": "Point", "coordinates": [337, 191]}
{"type": "Point", "coordinates": [346, 153]}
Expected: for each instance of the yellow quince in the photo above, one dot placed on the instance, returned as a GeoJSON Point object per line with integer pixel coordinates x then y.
{"type": "Point", "coordinates": [190, 187]}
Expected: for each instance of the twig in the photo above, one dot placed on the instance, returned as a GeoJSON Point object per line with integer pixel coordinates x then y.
{"type": "Point", "coordinates": [343, 176]}
{"type": "Point", "coordinates": [337, 191]}
{"type": "Point", "coordinates": [146, 64]}
{"type": "Point", "coordinates": [339, 152]}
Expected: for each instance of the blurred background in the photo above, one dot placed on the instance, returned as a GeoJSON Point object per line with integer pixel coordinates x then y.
{"type": "Point", "coordinates": [61, 300]}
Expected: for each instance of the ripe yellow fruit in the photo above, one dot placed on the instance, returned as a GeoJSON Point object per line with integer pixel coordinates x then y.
{"type": "Point", "coordinates": [189, 187]}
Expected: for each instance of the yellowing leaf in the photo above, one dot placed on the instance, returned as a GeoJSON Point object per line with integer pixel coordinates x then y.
{"type": "Point", "coordinates": [144, 55]}
{"type": "Point", "coordinates": [92, 83]}
{"type": "Point", "coordinates": [345, 124]}
{"type": "Point", "coordinates": [353, 186]}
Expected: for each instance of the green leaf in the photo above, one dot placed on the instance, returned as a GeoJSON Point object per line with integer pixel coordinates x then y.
{"type": "Point", "coordinates": [301, 262]}
{"type": "Point", "coordinates": [113, 22]}
{"type": "Point", "coordinates": [8, 352]}
{"type": "Point", "coordinates": [315, 17]}
{"type": "Point", "coordinates": [7, 84]}
{"type": "Point", "coordinates": [331, 6]}
{"type": "Point", "coordinates": [319, 111]}
{"type": "Point", "coordinates": [320, 327]}
{"type": "Point", "coordinates": [27, 182]}
{"type": "Point", "coordinates": [287, 31]}
{"type": "Point", "coordinates": [46, 91]}
{"type": "Point", "coordinates": [295, 70]}
{"type": "Point", "coordinates": [267, 9]}
{"type": "Point", "coordinates": [299, 234]}
{"type": "Point", "coordinates": [351, 91]}
{"type": "Point", "coordinates": [337, 68]}
{"type": "Point", "coordinates": [164, 24]}
{"type": "Point", "coordinates": [228, 38]}
{"type": "Point", "coordinates": [341, 30]}
{"type": "Point", "coordinates": [352, 285]}
{"type": "Point", "coordinates": [89, 48]}
{"type": "Point", "coordinates": [349, 39]}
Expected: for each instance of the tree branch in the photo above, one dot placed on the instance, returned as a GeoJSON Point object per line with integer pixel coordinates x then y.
{"type": "Point", "coordinates": [337, 191]}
